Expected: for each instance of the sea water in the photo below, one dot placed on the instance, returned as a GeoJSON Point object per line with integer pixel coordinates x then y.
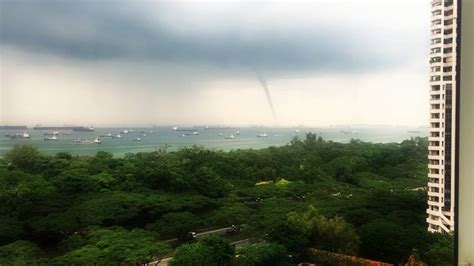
{"type": "Point", "coordinates": [212, 138]}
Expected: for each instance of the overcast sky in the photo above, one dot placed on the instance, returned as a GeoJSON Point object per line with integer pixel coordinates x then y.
{"type": "Point", "coordinates": [141, 63]}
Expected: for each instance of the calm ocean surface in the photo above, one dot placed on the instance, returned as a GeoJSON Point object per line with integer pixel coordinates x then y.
{"type": "Point", "coordinates": [209, 138]}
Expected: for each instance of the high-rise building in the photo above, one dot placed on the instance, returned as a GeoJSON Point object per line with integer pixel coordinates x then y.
{"type": "Point", "coordinates": [441, 155]}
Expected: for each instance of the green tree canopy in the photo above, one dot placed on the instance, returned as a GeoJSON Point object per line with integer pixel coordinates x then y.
{"type": "Point", "coordinates": [208, 251]}
{"type": "Point", "coordinates": [261, 254]}
{"type": "Point", "coordinates": [19, 253]}
{"type": "Point", "coordinates": [115, 245]}
{"type": "Point", "coordinates": [25, 157]}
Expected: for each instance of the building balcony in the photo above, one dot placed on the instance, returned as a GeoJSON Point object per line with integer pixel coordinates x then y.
{"type": "Point", "coordinates": [438, 185]}
{"type": "Point", "coordinates": [435, 194]}
{"type": "Point", "coordinates": [434, 165]}
{"type": "Point", "coordinates": [437, 64]}
{"type": "Point", "coordinates": [436, 3]}
{"type": "Point", "coordinates": [435, 93]}
{"type": "Point", "coordinates": [448, 45]}
{"type": "Point", "coordinates": [436, 11]}
{"type": "Point", "coordinates": [432, 175]}
{"type": "Point", "coordinates": [435, 120]}
{"type": "Point", "coordinates": [441, 226]}
{"type": "Point", "coordinates": [435, 138]}
{"type": "Point", "coordinates": [434, 222]}
{"type": "Point", "coordinates": [448, 17]}
{"type": "Point", "coordinates": [434, 157]}
{"type": "Point", "coordinates": [433, 212]}
{"type": "Point", "coordinates": [436, 45]}
{"type": "Point", "coordinates": [435, 203]}
{"type": "Point", "coordinates": [436, 16]}
{"type": "Point", "coordinates": [435, 101]}
{"type": "Point", "coordinates": [436, 34]}
{"type": "Point", "coordinates": [436, 26]}
{"type": "Point", "coordinates": [437, 130]}
{"type": "Point", "coordinates": [435, 89]}
{"type": "Point", "coordinates": [435, 59]}
{"type": "Point", "coordinates": [449, 64]}
{"type": "Point", "coordinates": [432, 149]}
{"type": "Point", "coordinates": [434, 83]}
{"type": "Point", "coordinates": [450, 35]}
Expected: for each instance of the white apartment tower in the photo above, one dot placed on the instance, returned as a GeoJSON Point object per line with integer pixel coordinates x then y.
{"type": "Point", "coordinates": [441, 137]}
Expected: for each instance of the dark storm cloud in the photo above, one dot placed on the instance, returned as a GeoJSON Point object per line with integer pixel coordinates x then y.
{"type": "Point", "coordinates": [90, 30]}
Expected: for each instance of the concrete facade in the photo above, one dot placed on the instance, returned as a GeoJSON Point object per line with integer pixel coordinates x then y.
{"type": "Point", "coordinates": [441, 139]}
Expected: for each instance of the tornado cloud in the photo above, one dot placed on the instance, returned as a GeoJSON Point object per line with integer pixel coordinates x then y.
{"type": "Point", "coordinates": [263, 82]}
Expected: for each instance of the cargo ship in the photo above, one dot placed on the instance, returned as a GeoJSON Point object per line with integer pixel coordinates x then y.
{"type": "Point", "coordinates": [14, 127]}
{"type": "Point", "coordinates": [87, 129]}
{"type": "Point", "coordinates": [73, 128]}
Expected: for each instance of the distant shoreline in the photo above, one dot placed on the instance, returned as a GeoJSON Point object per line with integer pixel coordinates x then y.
{"type": "Point", "coordinates": [156, 138]}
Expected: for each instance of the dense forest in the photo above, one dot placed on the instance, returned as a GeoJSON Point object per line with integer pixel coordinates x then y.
{"type": "Point", "coordinates": [355, 198]}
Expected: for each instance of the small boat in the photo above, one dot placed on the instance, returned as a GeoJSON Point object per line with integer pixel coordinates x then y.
{"type": "Point", "coordinates": [195, 133]}
{"type": "Point", "coordinates": [220, 134]}
{"type": "Point", "coordinates": [53, 138]}
{"type": "Point", "coordinates": [262, 135]}
{"type": "Point", "coordinates": [175, 129]}
{"type": "Point", "coordinates": [124, 131]}
{"type": "Point", "coordinates": [143, 135]}
{"type": "Point", "coordinates": [131, 131]}
{"type": "Point", "coordinates": [97, 141]}
{"type": "Point", "coordinates": [137, 139]}
{"type": "Point", "coordinates": [237, 133]}
{"type": "Point", "coordinates": [151, 132]}
{"type": "Point", "coordinates": [82, 141]}
{"type": "Point", "coordinates": [24, 135]}
{"type": "Point", "coordinates": [230, 137]}
{"type": "Point", "coordinates": [297, 131]}
{"type": "Point", "coordinates": [118, 136]}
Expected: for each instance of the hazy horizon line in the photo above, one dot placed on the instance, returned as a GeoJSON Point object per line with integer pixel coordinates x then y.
{"type": "Point", "coordinates": [151, 125]}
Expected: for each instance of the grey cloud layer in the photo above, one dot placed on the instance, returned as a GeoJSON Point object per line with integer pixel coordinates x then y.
{"type": "Point", "coordinates": [90, 30]}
